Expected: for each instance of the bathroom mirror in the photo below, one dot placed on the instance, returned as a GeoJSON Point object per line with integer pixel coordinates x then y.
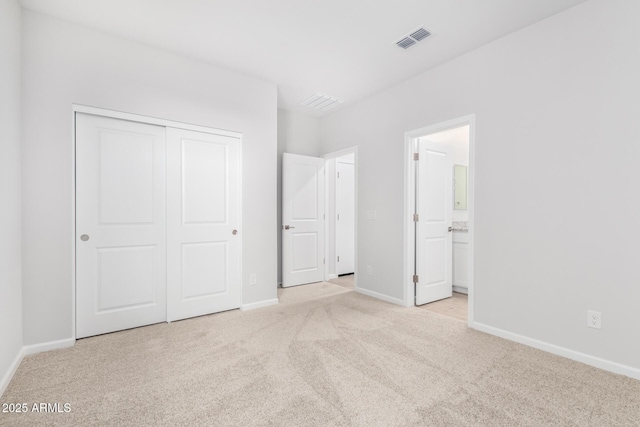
{"type": "Point", "coordinates": [460, 187]}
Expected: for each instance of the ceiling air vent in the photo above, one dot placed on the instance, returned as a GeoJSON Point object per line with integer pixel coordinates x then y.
{"type": "Point", "coordinates": [321, 102]}
{"type": "Point", "coordinates": [406, 42]}
{"type": "Point", "coordinates": [416, 36]}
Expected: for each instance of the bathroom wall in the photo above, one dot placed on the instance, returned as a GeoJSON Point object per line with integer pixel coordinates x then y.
{"type": "Point", "coordinates": [458, 138]}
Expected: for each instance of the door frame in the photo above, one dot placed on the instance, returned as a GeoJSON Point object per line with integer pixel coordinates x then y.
{"type": "Point", "coordinates": [330, 238]}
{"type": "Point", "coordinates": [410, 140]}
{"type": "Point", "coordinates": [79, 108]}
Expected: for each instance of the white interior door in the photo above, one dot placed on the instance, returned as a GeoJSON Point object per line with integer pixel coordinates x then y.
{"type": "Point", "coordinates": [433, 235]}
{"type": "Point", "coordinates": [345, 217]}
{"type": "Point", "coordinates": [302, 219]}
{"type": "Point", "coordinates": [120, 225]}
{"type": "Point", "coordinates": [203, 190]}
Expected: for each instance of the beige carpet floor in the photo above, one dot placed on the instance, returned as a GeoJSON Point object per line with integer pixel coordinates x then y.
{"type": "Point", "coordinates": [325, 356]}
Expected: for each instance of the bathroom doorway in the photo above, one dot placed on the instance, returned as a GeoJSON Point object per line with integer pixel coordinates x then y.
{"type": "Point", "coordinates": [439, 217]}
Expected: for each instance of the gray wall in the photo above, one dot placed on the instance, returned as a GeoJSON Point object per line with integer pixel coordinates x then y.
{"type": "Point", "coordinates": [557, 151]}
{"type": "Point", "coordinates": [10, 177]}
{"type": "Point", "coordinates": [64, 64]}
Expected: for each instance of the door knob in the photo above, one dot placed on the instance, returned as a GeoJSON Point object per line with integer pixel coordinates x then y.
{"type": "Point", "coordinates": [450, 229]}
{"type": "Point", "coordinates": [234, 232]}
{"type": "Point", "coordinates": [84, 237]}
{"type": "Point", "coordinates": [287, 227]}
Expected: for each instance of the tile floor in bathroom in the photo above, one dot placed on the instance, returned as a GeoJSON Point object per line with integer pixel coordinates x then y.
{"type": "Point", "coordinates": [456, 306]}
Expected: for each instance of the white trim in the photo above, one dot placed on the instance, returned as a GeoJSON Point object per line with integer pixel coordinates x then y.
{"type": "Point", "coordinates": [259, 304]}
{"type": "Point", "coordinates": [73, 223]}
{"type": "Point", "coordinates": [241, 221]}
{"type": "Point", "coordinates": [4, 383]}
{"type": "Point", "coordinates": [460, 289]}
{"type": "Point", "coordinates": [48, 346]}
{"type": "Point", "coordinates": [587, 359]}
{"type": "Point", "coordinates": [31, 349]}
{"type": "Point", "coordinates": [328, 194]}
{"type": "Point", "coordinates": [409, 205]}
{"type": "Point", "coordinates": [380, 296]}
{"type": "Point", "coordinates": [333, 155]}
{"type": "Point", "coordinates": [152, 120]}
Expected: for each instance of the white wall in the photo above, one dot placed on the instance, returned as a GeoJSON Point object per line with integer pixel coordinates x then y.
{"type": "Point", "coordinates": [297, 134]}
{"type": "Point", "coordinates": [10, 199]}
{"type": "Point", "coordinates": [65, 64]}
{"type": "Point", "coordinates": [557, 150]}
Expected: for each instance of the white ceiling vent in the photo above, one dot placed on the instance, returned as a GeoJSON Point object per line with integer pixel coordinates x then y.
{"type": "Point", "coordinates": [321, 102]}
{"type": "Point", "coordinates": [413, 38]}
{"type": "Point", "coordinates": [406, 42]}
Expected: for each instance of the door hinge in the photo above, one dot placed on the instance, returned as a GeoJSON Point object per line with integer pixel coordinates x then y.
{"type": "Point", "coordinates": [415, 278]}
{"type": "Point", "coordinates": [323, 260]}
{"type": "Point", "coordinates": [338, 258]}
{"type": "Point", "coordinates": [338, 217]}
{"type": "Point", "coordinates": [416, 217]}
{"type": "Point", "coordinates": [416, 156]}
{"type": "Point", "coordinates": [338, 174]}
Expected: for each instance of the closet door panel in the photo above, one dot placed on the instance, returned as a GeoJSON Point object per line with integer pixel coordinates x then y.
{"type": "Point", "coordinates": [120, 225]}
{"type": "Point", "coordinates": [203, 223]}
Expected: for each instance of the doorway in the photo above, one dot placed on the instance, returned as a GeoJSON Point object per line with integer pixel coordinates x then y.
{"type": "Point", "coordinates": [341, 201]}
{"type": "Point", "coordinates": [319, 218]}
{"type": "Point", "coordinates": [439, 212]}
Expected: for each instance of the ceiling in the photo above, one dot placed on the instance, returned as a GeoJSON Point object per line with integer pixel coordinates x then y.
{"type": "Point", "coordinates": [340, 48]}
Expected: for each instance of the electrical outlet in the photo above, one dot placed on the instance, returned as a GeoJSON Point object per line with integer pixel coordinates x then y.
{"type": "Point", "coordinates": [369, 270]}
{"type": "Point", "coordinates": [594, 319]}
{"type": "Point", "coordinates": [253, 279]}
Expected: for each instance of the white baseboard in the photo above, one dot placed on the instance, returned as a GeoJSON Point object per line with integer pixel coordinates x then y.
{"type": "Point", "coordinates": [32, 349]}
{"type": "Point", "coordinates": [259, 304]}
{"type": "Point", "coordinates": [47, 346]}
{"type": "Point", "coordinates": [379, 296]}
{"type": "Point", "coordinates": [587, 359]}
{"type": "Point", "coordinates": [332, 276]}
{"type": "Point", "coordinates": [4, 383]}
{"type": "Point", "coordinates": [460, 289]}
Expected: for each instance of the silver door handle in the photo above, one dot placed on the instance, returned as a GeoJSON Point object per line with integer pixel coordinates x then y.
{"type": "Point", "coordinates": [234, 232]}
{"type": "Point", "coordinates": [450, 229]}
{"type": "Point", "coordinates": [84, 237]}
{"type": "Point", "coordinates": [287, 227]}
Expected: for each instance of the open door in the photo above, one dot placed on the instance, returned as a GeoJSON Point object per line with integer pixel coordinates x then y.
{"type": "Point", "coordinates": [434, 209]}
{"type": "Point", "coordinates": [302, 219]}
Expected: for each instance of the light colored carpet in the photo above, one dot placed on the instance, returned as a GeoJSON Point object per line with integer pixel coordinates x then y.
{"type": "Point", "coordinates": [347, 281]}
{"type": "Point", "coordinates": [326, 356]}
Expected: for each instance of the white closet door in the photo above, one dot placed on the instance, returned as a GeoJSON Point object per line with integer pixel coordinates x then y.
{"type": "Point", "coordinates": [120, 225]}
{"type": "Point", "coordinates": [203, 190]}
